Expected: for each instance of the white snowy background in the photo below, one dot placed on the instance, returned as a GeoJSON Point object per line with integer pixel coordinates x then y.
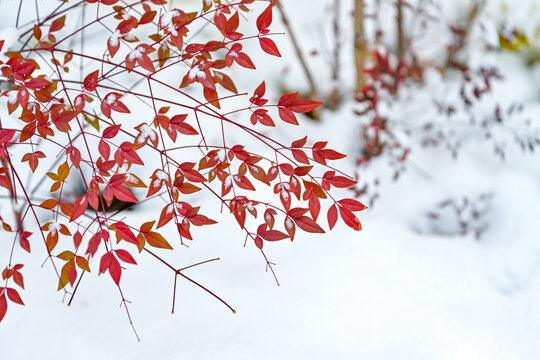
{"type": "Point", "coordinates": [390, 291]}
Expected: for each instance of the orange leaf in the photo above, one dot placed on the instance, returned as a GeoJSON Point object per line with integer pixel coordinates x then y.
{"type": "Point", "coordinates": [156, 240]}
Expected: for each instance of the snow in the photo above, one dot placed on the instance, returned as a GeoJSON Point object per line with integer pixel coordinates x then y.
{"type": "Point", "coordinates": [178, 206]}
{"type": "Point", "coordinates": [196, 72]}
{"type": "Point", "coordinates": [12, 97]}
{"type": "Point", "coordinates": [228, 182]}
{"type": "Point", "coordinates": [124, 168]}
{"type": "Point", "coordinates": [111, 99]}
{"type": "Point", "coordinates": [272, 171]}
{"type": "Point", "coordinates": [129, 36]}
{"type": "Point", "coordinates": [79, 101]}
{"type": "Point", "coordinates": [115, 38]}
{"type": "Point", "coordinates": [132, 179]}
{"type": "Point", "coordinates": [221, 155]}
{"type": "Point", "coordinates": [166, 21]}
{"type": "Point", "coordinates": [288, 223]}
{"type": "Point", "coordinates": [285, 195]}
{"type": "Point", "coordinates": [146, 132]}
{"type": "Point", "coordinates": [54, 228]}
{"type": "Point", "coordinates": [162, 175]}
{"type": "Point", "coordinates": [396, 290]}
{"type": "Point", "coordinates": [137, 53]}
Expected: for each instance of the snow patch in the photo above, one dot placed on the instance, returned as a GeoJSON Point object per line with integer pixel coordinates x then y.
{"type": "Point", "coordinates": [111, 99]}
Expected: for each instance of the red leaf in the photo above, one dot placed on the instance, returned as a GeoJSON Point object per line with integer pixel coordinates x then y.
{"type": "Point", "coordinates": [13, 295]}
{"type": "Point", "coordinates": [6, 135]}
{"type": "Point", "coordinates": [299, 143]}
{"type": "Point", "coordinates": [314, 206]}
{"type": "Point", "coordinates": [147, 17]}
{"type": "Point", "coordinates": [273, 235]}
{"type": "Point", "coordinates": [37, 83]}
{"type": "Point", "coordinates": [300, 156]}
{"type": "Point", "coordinates": [111, 131]}
{"type": "Point", "coordinates": [166, 215]}
{"type": "Point", "coordinates": [287, 99]}
{"type": "Point", "coordinates": [199, 220]}
{"type": "Point", "coordinates": [90, 81]}
{"type": "Point", "coordinates": [297, 212]}
{"type": "Point", "coordinates": [74, 156]}
{"type": "Point", "coordinates": [304, 105]}
{"type": "Point", "coordinates": [22, 97]}
{"type": "Point", "coordinates": [125, 233]}
{"type": "Point", "coordinates": [269, 218]}
{"type": "Point", "coordinates": [265, 19]}
{"type": "Point", "coordinates": [186, 129]}
{"type": "Point", "coordinates": [193, 175]}
{"type": "Point", "coordinates": [290, 227]}
{"type": "Point", "coordinates": [113, 44]}
{"type": "Point", "coordinates": [332, 216]}
{"type": "Point", "coordinates": [260, 90]}
{"type": "Point", "coordinates": [93, 244]}
{"type": "Point", "coordinates": [18, 279]}
{"type": "Point", "coordinates": [307, 224]}
{"type": "Point", "coordinates": [269, 47]}
{"type": "Point", "coordinates": [3, 305]}
{"type": "Point", "coordinates": [341, 182]}
{"type": "Point", "coordinates": [349, 218]}
{"type": "Point", "coordinates": [104, 149]}
{"type": "Point", "coordinates": [146, 63]}
{"type": "Point", "coordinates": [259, 242]}
{"type": "Point", "coordinates": [125, 256]}
{"type": "Point", "coordinates": [287, 169]}
{"type": "Point", "coordinates": [226, 82]}
{"type": "Point", "coordinates": [33, 159]}
{"type": "Point", "coordinates": [79, 207]}
{"type": "Point", "coordinates": [115, 270]}
{"type": "Point", "coordinates": [57, 24]}
{"type": "Point", "coordinates": [331, 154]}
{"type": "Point", "coordinates": [125, 26]}
{"type": "Point", "coordinates": [352, 204]}
{"type": "Point", "coordinates": [25, 244]}
{"type": "Point", "coordinates": [302, 170]}
{"type": "Point", "coordinates": [72, 275]}
{"type": "Point", "coordinates": [123, 194]}
{"type": "Point", "coordinates": [232, 24]}
{"type": "Point", "coordinates": [211, 95]}
{"type": "Point", "coordinates": [105, 262]}
{"type": "Point", "coordinates": [244, 60]}
{"type": "Point", "coordinates": [287, 116]}
{"type": "Point", "coordinates": [243, 182]}
{"type": "Point", "coordinates": [36, 31]}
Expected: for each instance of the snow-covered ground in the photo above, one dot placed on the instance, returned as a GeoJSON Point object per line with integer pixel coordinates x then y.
{"type": "Point", "coordinates": [391, 291]}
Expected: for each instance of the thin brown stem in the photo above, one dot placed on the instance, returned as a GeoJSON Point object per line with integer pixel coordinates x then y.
{"type": "Point", "coordinates": [399, 28]}
{"type": "Point", "coordinates": [360, 44]}
{"type": "Point", "coordinates": [334, 98]}
{"type": "Point", "coordinates": [463, 35]}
